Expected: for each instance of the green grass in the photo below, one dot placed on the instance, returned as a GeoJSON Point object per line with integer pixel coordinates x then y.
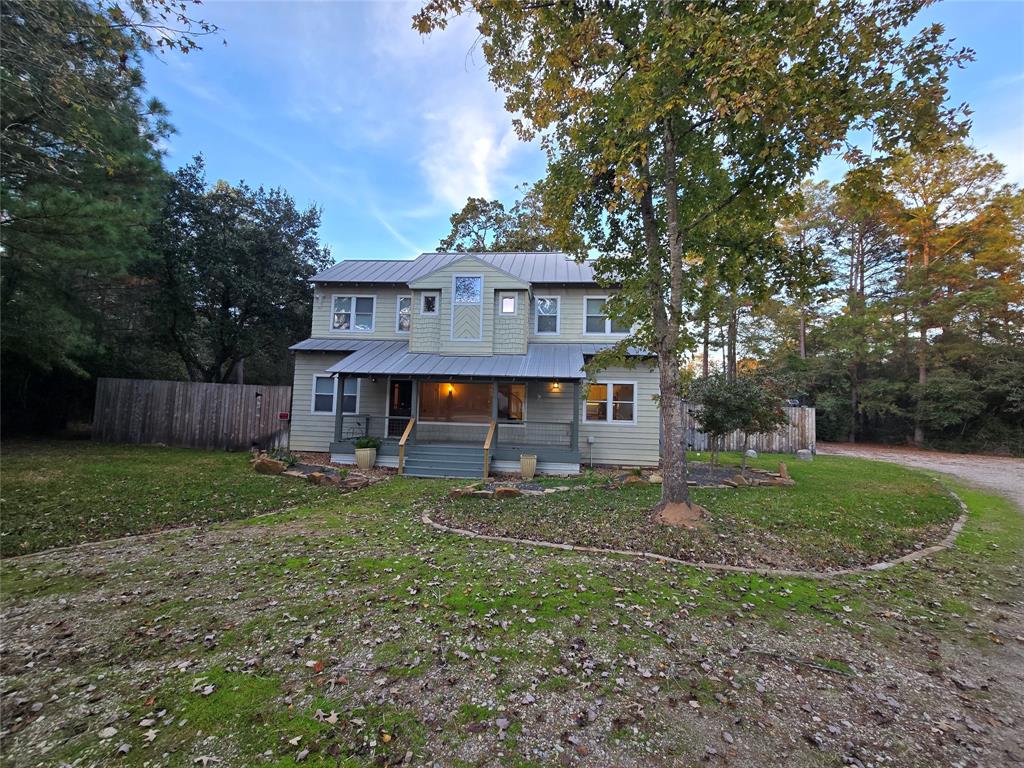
{"type": "Point", "coordinates": [56, 494]}
{"type": "Point", "coordinates": [423, 635]}
{"type": "Point", "coordinates": [842, 512]}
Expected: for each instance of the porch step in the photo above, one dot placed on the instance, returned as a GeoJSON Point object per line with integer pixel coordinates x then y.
{"type": "Point", "coordinates": [444, 460]}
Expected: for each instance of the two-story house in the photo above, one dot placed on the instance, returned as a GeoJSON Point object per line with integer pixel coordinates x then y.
{"type": "Point", "coordinates": [461, 362]}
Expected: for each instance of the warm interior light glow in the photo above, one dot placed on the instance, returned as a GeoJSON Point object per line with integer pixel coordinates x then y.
{"type": "Point", "coordinates": [555, 386]}
{"type": "Point", "coordinates": [451, 390]}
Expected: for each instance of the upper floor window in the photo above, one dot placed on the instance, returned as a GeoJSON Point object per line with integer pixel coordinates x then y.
{"type": "Point", "coordinates": [611, 402]}
{"type": "Point", "coordinates": [468, 289]}
{"type": "Point", "coordinates": [596, 321]}
{"type": "Point", "coordinates": [353, 314]}
{"type": "Point", "coordinates": [547, 314]}
{"type": "Point", "coordinates": [428, 304]}
{"type": "Point", "coordinates": [508, 304]}
{"type": "Point", "coordinates": [404, 321]}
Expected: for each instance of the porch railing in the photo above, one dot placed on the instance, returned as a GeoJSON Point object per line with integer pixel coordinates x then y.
{"type": "Point", "coordinates": [554, 433]}
{"type": "Point", "coordinates": [352, 426]}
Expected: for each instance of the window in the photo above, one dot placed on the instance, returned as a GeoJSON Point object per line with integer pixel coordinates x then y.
{"type": "Point", "coordinates": [350, 397]}
{"type": "Point", "coordinates": [468, 402]}
{"type": "Point", "coordinates": [511, 402]}
{"type": "Point", "coordinates": [508, 305]}
{"type": "Point", "coordinates": [468, 290]}
{"type": "Point", "coordinates": [611, 402]}
{"type": "Point", "coordinates": [597, 321]}
{"type": "Point", "coordinates": [428, 304]}
{"type": "Point", "coordinates": [323, 394]}
{"type": "Point", "coordinates": [404, 321]}
{"type": "Point", "coordinates": [324, 389]}
{"type": "Point", "coordinates": [353, 314]}
{"type": "Point", "coordinates": [547, 314]}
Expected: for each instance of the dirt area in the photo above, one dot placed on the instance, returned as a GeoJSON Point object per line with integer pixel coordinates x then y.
{"type": "Point", "coordinates": [1001, 474]}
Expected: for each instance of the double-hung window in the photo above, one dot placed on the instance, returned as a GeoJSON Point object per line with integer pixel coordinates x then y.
{"type": "Point", "coordinates": [611, 402]}
{"type": "Point", "coordinates": [325, 389]}
{"type": "Point", "coordinates": [547, 315]}
{"type": "Point", "coordinates": [353, 314]}
{"type": "Point", "coordinates": [597, 320]}
{"type": "Point", "coordinates": [404, 320]}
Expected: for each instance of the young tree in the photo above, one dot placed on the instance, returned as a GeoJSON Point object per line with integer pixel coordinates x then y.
{"type": "Point", "coordinates": [668, 123]}
{"type": "Point", "coordinates": [233, 271]}
{"type": "Point", "coordinates": [747, 403]}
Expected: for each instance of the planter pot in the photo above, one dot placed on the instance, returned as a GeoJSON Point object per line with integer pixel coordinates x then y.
{"type": "Point", "coordinates": [527, 465]}
{"type": "Point", "coordinates": [366, 457]}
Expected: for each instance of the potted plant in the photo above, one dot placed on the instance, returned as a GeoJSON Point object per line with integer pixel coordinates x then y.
{"type": "Point", "coordinates": [366, 452]}
{"type": "Point", "coordinates": [527, 465]}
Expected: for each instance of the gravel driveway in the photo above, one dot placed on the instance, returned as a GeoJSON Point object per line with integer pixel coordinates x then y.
{"type": "Point", "coordinates": [996, 473]}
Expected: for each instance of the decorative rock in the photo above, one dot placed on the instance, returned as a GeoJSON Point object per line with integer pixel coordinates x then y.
{"type": "Point", "coordinates": [507, 492]}
{"type": "Point", "coordinates": [634, 480]}
{"type": "Point", "coordinates": [740, 480]}
{"type": "Point", "coordinates": [315, 478]}
{"type": "Point", "coordinates": [482, 494]}
{"type": "Point", "coordinates": [265, 465]}
{"type": "Point", "coordinates": [329, 478]}
{"type": "Point", "coordinates": [804, 455]}
{"type": "Point", "coordinates": [655, 479]}
{"type": "Point", "coordinates": [783, 472]}
{"type": "Point", "coordinates": [728, 484]}
{"type": "Point", "coordinates": [456, 493]}
{"type": "Point", "coordinates": [750, 453]}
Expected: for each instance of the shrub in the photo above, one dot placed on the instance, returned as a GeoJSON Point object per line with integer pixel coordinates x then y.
{"type": "Point", "coordinates": [367, 442]}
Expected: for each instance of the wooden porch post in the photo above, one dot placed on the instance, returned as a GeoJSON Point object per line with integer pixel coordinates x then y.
{"type": "Point", "coordinates": [574, 434]}
{"type": "Point", "coordinates": [494, 406]}
{"type": "Point", "coordinates": [339, 409]}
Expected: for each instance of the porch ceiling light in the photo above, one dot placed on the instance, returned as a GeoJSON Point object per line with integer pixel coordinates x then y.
{"type": "Point", "coordinates": [555, 386]}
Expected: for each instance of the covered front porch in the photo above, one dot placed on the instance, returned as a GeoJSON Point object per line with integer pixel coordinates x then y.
{"type": "Point", "coordinates": [464, 427]}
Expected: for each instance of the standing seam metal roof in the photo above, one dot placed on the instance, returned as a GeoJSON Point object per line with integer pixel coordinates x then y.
{"type": "Point", "coordinates": [393, 358]}
{"type": "Point", "coordinates": [533, 267]}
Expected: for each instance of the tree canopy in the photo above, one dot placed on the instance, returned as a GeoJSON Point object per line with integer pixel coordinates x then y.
{"type": "Point", "coordinates": [677, 134]}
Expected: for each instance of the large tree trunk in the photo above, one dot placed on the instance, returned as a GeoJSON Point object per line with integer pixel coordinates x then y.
{"type": "Point", "coordinates": [731, 344]}
{"type": "Point", "coordinates": [803, 336]}
{"type": "Point", "coordinates": [673, 447]}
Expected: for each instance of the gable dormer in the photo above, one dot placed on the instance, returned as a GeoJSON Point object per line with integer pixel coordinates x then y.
{"type": "Point", "coordinates": [467, 294]}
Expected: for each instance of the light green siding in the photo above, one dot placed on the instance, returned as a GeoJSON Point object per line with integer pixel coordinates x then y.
{"type": "Point", "coordinates": [510, 330]}
{"type": "Point", "coordinates": [448, 331]}
{"type": "Point", "coordinates": [315, 431]}
{"type": "Point", "coordinates": [385, 311]}
{"type": "Point", "coordinates": [571, 323]}
{"type": "Point", "coordinates": [629, 444]}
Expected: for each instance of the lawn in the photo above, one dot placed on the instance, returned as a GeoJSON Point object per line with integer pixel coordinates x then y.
{"type": "Point", "coordinates": [61, 493]}
{"type": "Point", "coordinates": [342, 632]}
{"type": "Point", "coordinates": [841, 513]}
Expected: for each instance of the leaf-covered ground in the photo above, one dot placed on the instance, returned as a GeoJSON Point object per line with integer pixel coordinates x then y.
{"type": "Point", "coordinates": [841, 513]}
{"type": "Point", "coordinates": [58, 493]}
{"type": "Point", "coordinates": [345, 633]}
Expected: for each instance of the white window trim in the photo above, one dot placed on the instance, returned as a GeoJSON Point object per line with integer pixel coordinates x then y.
{"type": "Point", "coordinates": [334, 395]}
{"type": "Point", "coordinates": [353, 296]}
{"type": "Point", "coordinates": [480, 304]}
{"type": "Point", "coordinates": [437, 303]}
{"type": "Point", "coordinates": [501, 304]}
{"type": "Point", "coordinates": [608, 402]}
{"type": "Point", "coordinates": [607, 324]}
{"type": "Point", "coordinates": [398, 312]}
{"type": "Point", "coordinates": [558, 316]}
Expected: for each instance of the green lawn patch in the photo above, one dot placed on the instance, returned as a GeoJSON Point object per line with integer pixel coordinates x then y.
{"type": "Point", "coordinates": [841, 513]}
{"type": "Point", "coordinates": [59, 493]}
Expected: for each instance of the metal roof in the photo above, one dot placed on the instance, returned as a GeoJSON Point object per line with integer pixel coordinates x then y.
{"type": "Point", "coordinates": [532, 267]}
{"type": "Point", "coordinates": [330, 345]}
{"type": "Point", "coordinates": [393, 358]}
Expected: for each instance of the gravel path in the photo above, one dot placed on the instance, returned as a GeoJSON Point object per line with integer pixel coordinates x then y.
{"type": "Point", "coordinates": [1002, 475]}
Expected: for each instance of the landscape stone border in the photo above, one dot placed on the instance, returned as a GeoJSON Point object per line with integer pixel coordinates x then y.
{"type": "Point", "coordinates": [947, 541]}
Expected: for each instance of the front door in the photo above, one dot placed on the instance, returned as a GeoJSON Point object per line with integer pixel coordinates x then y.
{"type": "Point", "coordinates": [399, 407]}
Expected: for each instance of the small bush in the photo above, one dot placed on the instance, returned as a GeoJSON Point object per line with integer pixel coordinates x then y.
{"type": "Point", "coordinates": [367, 442]}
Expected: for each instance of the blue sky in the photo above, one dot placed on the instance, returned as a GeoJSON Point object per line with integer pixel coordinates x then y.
{"type": "Point", "coordinates": [343, 105]}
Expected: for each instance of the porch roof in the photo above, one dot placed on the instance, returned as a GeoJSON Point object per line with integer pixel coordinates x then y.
{"type": "Point", "coordinates": [393, 358]}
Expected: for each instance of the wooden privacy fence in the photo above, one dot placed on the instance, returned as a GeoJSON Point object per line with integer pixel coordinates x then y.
{"type": "Point", "coordinates": [789, 438]}
{"type": "Point", "coordinates": [189, 414]}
